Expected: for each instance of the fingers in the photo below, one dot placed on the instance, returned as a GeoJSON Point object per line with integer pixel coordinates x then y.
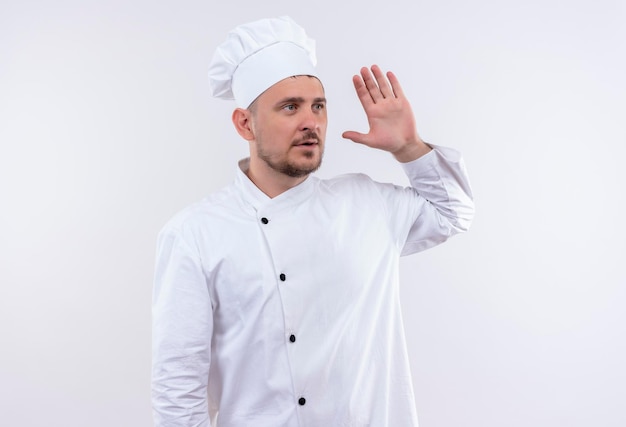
{"type": "Point", "coordinates": [383, 84]}
{"type": "Point", "coordinates": [377, 85]}
{"type": "Point", "coordinates": [362, 91]}
{"type": "Point", "coordinates": [371, 85]}
{"type": "Point", "coordinates": [395, 85]}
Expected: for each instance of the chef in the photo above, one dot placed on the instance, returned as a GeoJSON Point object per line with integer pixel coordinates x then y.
{"type": "Point", "coordinates": [276, 299]}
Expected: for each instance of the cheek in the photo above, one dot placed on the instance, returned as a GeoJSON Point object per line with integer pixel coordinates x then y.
{"type": "Point", "coordinates": [285, 129]}
{"type": "Point", "coordinates": [323, 121]}
{"type": "Point", "coordinates": [323, 127]}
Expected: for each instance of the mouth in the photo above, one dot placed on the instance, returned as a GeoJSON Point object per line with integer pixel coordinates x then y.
{"type": "Point", "coordinates": [307, 141]}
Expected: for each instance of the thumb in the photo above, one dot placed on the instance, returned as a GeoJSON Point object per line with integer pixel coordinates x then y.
{"type": "Point", "coordinates": [355, 136]}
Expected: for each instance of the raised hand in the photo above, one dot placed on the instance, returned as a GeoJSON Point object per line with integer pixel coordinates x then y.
{"type": "Point", "coordinates": [389, 114]}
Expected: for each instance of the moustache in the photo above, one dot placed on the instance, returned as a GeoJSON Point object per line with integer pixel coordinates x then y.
{"type": "Point", "coordinates": [308, 136]}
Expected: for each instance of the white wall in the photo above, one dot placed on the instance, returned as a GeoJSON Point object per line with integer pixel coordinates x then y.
{"type": "Point", "coordinates": [107, 129]}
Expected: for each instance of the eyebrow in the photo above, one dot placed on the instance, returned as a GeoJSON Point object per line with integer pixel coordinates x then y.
{"type": "Point", "coordinates": [299, 100]}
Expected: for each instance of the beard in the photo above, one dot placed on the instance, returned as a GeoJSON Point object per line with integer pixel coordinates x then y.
{"type": "Point", "coordinates": [290, 168]}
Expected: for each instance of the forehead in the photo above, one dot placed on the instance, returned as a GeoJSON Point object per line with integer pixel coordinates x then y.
{"type": "Point", "coordinates": [306, 87]}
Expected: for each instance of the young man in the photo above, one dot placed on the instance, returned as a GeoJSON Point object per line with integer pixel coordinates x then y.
{"type": "Point", "coordinates": [276, 299]}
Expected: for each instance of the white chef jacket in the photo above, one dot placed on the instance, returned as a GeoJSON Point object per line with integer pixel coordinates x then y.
{"type": "Point", "coordinates": [286, 311]}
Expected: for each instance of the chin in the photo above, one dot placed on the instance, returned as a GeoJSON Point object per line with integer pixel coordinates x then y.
{"type": "Point", "coordinates": [310, 163]}
{"type": "Point", "coordinates": [303, 168]}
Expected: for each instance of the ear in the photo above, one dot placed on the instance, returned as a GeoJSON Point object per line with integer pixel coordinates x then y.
{"type": "Point", "coordinates": [243, 123]}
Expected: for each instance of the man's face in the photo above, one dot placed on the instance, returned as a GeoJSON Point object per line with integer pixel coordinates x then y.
{"type": "Point", "coordinates": [289, 125]}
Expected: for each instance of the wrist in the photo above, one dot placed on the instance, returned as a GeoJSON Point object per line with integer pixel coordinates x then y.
{"type": "Point", "coordinates": [411, 151]}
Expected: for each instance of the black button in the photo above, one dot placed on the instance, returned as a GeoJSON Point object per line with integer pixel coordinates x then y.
{"type": "Point", "coordinates": [302, 401]}
{"type": "Point", "coordinates": [264, 220]}
{"type": "Point", "coordinates": [292, 338]}
{"type": "Point", "coordinates": [282, 277]}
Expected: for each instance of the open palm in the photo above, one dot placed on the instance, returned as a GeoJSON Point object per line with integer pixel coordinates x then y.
{"type": "Point", "coordinates": [389, 114]}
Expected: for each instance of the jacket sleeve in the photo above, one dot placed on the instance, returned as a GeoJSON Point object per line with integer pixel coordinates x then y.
{"type": "Point", "coordinates": [438, 205]}
{"type": "Point", "coordinates": [182, 326]}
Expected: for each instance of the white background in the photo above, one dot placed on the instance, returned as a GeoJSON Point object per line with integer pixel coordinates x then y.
{"type": "Point", "coordinates": [107, 129]}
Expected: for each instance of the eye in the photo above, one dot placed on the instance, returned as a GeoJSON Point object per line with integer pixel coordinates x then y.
{"type": "Point", "coordinates": [318, 106]}
{"type": "Point", "coordinates": [289, 107]}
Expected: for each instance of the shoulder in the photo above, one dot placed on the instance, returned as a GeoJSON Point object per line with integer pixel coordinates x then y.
{"type": "Point", "coordinates": [348, 181]}
{"type": "Point", "coordinates": [357, 184]}
{"type": "Point", "coordinates": [197, 215]}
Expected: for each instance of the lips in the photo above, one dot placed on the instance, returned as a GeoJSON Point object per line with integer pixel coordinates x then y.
{"type": "Point", "coordinates": [308, 140]}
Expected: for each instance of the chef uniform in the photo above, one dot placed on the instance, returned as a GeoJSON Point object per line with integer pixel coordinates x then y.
{"type": "Point", "coordinates": [285, 311]}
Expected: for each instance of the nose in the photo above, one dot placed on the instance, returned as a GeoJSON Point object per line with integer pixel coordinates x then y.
{"type": "Point", "coordinates": [310, 121]}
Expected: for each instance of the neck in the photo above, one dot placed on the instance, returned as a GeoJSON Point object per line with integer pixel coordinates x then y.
{"type": "Point", "coordinates": [270, 181]}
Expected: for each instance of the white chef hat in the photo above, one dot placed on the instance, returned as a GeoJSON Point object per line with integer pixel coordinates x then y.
{"type": "Point", "coordinates": [257, 55]}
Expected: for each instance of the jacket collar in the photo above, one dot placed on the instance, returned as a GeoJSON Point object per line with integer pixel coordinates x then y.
{"type": "Point", "coordinates": [252, 195]}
